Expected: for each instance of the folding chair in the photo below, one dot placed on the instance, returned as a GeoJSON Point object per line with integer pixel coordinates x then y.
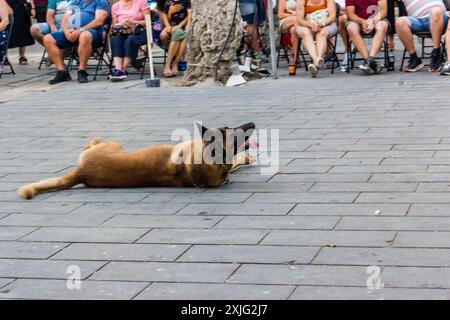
{"type": "Point", "coordinates": [423, 36]}
{"type": "Point", "coordinates": [6, 61]}
{"type": "Point", "coordinates": [101, 56]}
{"type": "Point", "coordinates": [352, 52]}
{"type": "Point", "coordinates": [332, 54]}
{"type": "Point", "coordinates": [147, 60]}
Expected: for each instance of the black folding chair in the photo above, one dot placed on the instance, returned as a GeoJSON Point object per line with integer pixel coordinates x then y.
{"type": "Point", "coordinates": [6, 60]}
{"type": "Point", "coordinates": [425, 53]}
{"type": "Point", "coordinates": [352, 52]}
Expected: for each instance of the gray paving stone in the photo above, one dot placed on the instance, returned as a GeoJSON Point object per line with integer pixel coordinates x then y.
{"type": "Point", "coordinates": [129, 208]}
{"type": "Point", "coordinates": [406, 197]}
{"type": "Point", "coordinates": [121, 252]}
{"type": "Point", "coordinates": [414, 277]}
{"type": "Point", "coordinates": [57, 289]}
{"type": "Point", "coordinates": [319, 197]}
{"type": "Point", "coordinates": [167, 272]}
{"type": "Point", "coordinates": [300, 275]}
{"type": "Point", "coordinates": [217, 197]}
{"type": "Point", "coordinates": [154, 221]}
{"type": "Point", "coordinates": [315, 178]}
{"type": "Point", "coordinates": [55, 220]}
{"type": "Point", "coordinates": [29, 250]}
{"type": "Point", "coordinates": [264, 187]}
{"type": "Point", "coordinates": [394, 223]}
{"type": "Point", "coordinates": [18, 268]}
{"type": "Point", "coordinates": [377, 169]}
{"type": "Point", "coordinates": [278, 222]}
{"type": "Point", "coordinates": [429, 210]}
{"type": "Point", "coordinates": [236, 209]}
{"type": "Point", "coordinates": [14, 233]}
{"type": "Point", "coordinates": [249, 254]}
{"type": "Point", "coordinates": [37, 207]}
{"type": "Point", "coordinates": [74, 196]}
{"type": "Point", "coordinates": [349, 209]}
{"type": "Point", "coordinates": [203, 236]}
{"type": "Point", "coordinates": [355, 293]}
{"type": "Point", "coordinates": [4, 282]}
{"type": "Point", "coordinates": [78, 234]}
{"type": "Point", "coordinates": [422, 239]}
{"type": "Point", "coordinates": [411, 177]}
{"type": "Point", "coordinates": [384, 257]}
{"type": "Point", "coordinates": [363, 187]}
{"type": "Point", "coordinates": [212, 291]}
{"type": "Point", "coordinates": [329, 238]}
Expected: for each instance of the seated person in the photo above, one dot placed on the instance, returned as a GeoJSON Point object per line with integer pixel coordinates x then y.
{"type": "Point", "coordinates": [288, 22]}
{"type": "Point", "coordinates": [316, 21]}
{"type": "Point", "coordinates": [5, 15]}
{"type": "Point", "coordinates": [253, 13]}
{"type": "Point", "coordinates": [423, 16]}
{"type": "Point", "coordinates": [176, 16]}
{"type": "Point", "coordinates": [446, 69]}
{"type": "Point", "coordinates": [367, 17]}
{"type": "Point", "coordinates": [127, 34]}
{"type": "Point", "coordinates": [55, 13]}
{"type": "Point", "coordinates": [82, 25]}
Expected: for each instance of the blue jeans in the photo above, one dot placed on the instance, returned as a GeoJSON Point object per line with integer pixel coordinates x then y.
{"type": "Point", "coordinates": [45, 28]}
{"type": "Point", "coordinates": [127, 45]}
{"type": "Point", "coordinates": [423, 24]}
{"type": "Point", "coordinates": [63, 43]}
{"type": "Point", "coordinates": [4, 37]}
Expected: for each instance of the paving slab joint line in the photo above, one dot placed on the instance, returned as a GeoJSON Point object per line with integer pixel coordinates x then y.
{"type": "Point", "coordinates": [140, 291]}
{"type": "Point", "coordinates": [292, 292]}
{"type": "Point", "coordinates": [144, 234]}
{"type": "Point", "coordinates": [8, 283]}
{"type": "Point", "coordinates": [391, 242]}
{"type": "Point", "coordinates": [311, 262]}
{"type": "Point", "coordinates": [95, 271]}
{"type": "Point", "coordinates": [262, 239]}
{"type": "Point", "coordinates": [179, 210]}
{"type": "Point", "coordinates": [64, 247]}
{"type": "Point", "coordinates": [182, 253]}
{"type": "Point", "coordinates": [408, 210]}
{"type": "Point", "coordinates": [233, 273]}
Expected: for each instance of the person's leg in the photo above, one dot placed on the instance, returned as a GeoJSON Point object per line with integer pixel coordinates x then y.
{"type": "Point", "coordinates": [436, 26]}
{"type": "Point", "coordinates": [84, 49]}
{"type": "Point", "coordinates": [22, 58]}
{"type": "Point", "coordinates": [322, 42]}
{"type": "Point", "coordinates": [38, 31]}
{"type": "Point", "coordinates": [447, 42]}
{"type": "Point", "coordinates": [173, 49]}
{"type": "Point", "coordinates": [404, 31]}
{"type": "Point", "coordinates": [308, 42]}
{"type": "Point", "coordinates": [131, 46]}
{"type": "Point", "coordinates": [354, 32]}
{"type": "Point", "coordinates": [117, 50]}
{"type": "Point", "coordinates": [54, 52]}
{"type": "Point", "coordinates": [342, 30]}
{"type": "Point", "coordinates": [381, 29]}
{"type": "Point", "coordinates": [180, 53]}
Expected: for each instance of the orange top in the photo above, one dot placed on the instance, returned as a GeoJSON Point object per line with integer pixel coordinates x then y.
{"type": "Point", "coordinates": [314, 8]}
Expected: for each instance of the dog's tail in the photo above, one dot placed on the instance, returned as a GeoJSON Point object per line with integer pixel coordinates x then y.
{"type": "Point", "coordinates": [71, 179]}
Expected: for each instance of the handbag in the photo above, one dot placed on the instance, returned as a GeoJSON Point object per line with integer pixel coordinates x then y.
{"type": "Point", "coordinates": [318, 16]}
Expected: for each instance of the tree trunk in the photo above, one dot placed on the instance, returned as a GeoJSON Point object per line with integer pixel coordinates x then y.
{"type": "Point", "coordinates": [210, 26]}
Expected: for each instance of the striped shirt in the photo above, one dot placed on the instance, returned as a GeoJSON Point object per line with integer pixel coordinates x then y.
{"type": "Point", "coordinates": [422, 8]}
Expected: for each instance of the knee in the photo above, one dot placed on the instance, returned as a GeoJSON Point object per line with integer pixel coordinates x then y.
{"type": "Point", "coordinates": [436, 14]}
{"type": "Point", "coordinates": [85, 38]}
{"type": "Point", "coordinates": [323, 33]}
{"type": "Point", "coordinates": [402, 23]}
{"type": "Point", "coordinates": [35, 30]}
{"type": "Point", "coordinates": [49, 41]}
{"type": "Point", "coordinates": [353, 30]}
{"type": "Point", "coordinates": [382, 26]}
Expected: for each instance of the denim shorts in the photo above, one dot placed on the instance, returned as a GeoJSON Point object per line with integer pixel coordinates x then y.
{"type": "Point", "coordinates": [423, 24]}
{"type": "Point", "coordinates": [63, 43]}
{"type": "Point", "coordinates": [45, 28]}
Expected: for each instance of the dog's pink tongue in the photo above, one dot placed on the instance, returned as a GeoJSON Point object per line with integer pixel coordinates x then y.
{"type": "Point", "coordinates": [252, 144]}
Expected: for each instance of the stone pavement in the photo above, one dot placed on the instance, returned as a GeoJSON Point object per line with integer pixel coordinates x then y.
{"type": "Point", "coordinates": [364, 181]}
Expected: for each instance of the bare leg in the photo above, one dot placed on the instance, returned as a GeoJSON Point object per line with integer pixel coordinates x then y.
{"type": "Point", "coordinates": [180, 53]}
{"type": "Point", "coordinates": [118, 63]}
{"type": "Point", "coordinates": [404, 32]}
{"type": "Point", "coordinates": [322, 42]}
{"type": "Point", "coordinates": [54, 53]}
{"type": "Point", "coordinates": [436, 26]}
{"type": "Point", "coordinates": [84, 48]}
{"type": "Point", "coordinates": [342, 31]}
{"type": "Point", "coordinates": [173, 49]}
{"type": "Point", "coordinates": [37, 34]}
{"type": "Point", "coordinates": [354, 32]}
{"type": "Point", "coordinates": [380, 34]}
{"type": "Point", "coordinates": [126, 62]}
{"type": "Point", "coordinates": [22, 51]}
{"type": "Point", "coordinates": [308, 43]}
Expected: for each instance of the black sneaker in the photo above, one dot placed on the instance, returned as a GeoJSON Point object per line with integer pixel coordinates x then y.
{"type": "Point", "coordinates": [376, 67]}
{"type": "Point", "coordinates": [365, 67]}
{"type": "Point", "coordinates": [414, 65]}
{"type": "Point", "coordinates": [82, 76]}
{"type": "Point", "coordinates": [445, 71]}
{"type": "Point", "coordinates": [61, 76]}
{"type": "Point", "coordinates": [435, 62]}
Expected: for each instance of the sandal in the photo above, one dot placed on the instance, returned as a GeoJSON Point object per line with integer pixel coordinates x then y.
{"type": "Point", "coordinates": [23, 61]}
{"type": "Point", "coordinates": [292, 69]}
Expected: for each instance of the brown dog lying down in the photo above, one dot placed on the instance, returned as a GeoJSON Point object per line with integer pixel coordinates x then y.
{"type": "Point", "coordinates": [203, 162]}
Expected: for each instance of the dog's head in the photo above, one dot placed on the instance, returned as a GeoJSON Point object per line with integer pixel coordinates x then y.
{"type": "Point", "coordinates": [226, 141]}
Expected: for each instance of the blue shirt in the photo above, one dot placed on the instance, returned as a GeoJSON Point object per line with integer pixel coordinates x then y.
{"type": "Point", "coordinates": [84, 11]}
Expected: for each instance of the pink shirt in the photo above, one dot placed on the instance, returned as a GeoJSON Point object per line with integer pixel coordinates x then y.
{"type": "Point", "coordinates": [119, 12]}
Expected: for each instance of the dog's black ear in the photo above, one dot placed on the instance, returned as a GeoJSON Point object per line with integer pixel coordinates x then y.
{"type": "Point", "coordinates": [201, 128]}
